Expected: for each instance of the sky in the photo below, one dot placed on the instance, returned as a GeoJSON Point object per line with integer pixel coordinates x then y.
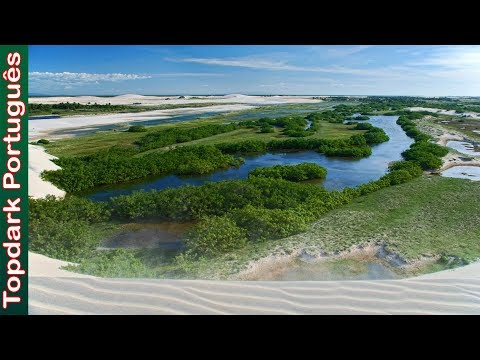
{"type": "Point", "coordinates": [261, 69]}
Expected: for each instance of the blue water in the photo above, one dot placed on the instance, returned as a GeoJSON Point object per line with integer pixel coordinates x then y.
{"type": "Point", "coordinates": [277, 113]}
{"type": "Point", "coordinates": [44, 117]}
{"type": "Point", "coordinates": [341, 172]}
{"type": "Point", "coordinates": [177, 118]}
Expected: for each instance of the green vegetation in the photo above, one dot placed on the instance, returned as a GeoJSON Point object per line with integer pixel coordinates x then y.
{"type": "Point", "coordinates": [428, 216]}
{"type": "Point", "coordinates": [147, 154]}
{"type": "Point", "coordinates": [162, 138]}
{"type": "Point", "coordinates": [137, 128]}
{"type": "Point", "coordinates": [419, 218]}
{"type": "Point", "coordinates": [117, 165]}
{"type": "Point", "coordinates": [355, 146]}
{"type": "Point", "coordinates": [43, 141]}
{"type": "Point", "coordinates": [360, 117]}
{"type": "Point", "coordinates": [265, 129]}
{"type": "Point", "coordinates": [92, 143]}
{"type": "Point", "coordinates": [68, 229]}
{"type": "Point", "coordinates": [331, 116]}
{"type": "Point", "coordinates": [300, 172]}
{"type": "Point", "coordinates": [242, 220]}
{"type": "Point", "coordinates": [426, 154]}
{"type": "Point", "coordinates": [215, 235]}
{"type": "Point", "coordinates": [263, 224]}
{"type": "Point", "coordinates": [119, 263]}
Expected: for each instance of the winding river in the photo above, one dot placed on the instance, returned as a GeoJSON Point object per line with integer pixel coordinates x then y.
{"type": "Point", "coordinates": [341, 173]}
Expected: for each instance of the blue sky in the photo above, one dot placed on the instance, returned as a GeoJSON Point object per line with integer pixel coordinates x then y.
{"type": "Point", "coordinates": [298, 70]}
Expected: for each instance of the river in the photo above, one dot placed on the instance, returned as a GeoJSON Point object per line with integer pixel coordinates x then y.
{"type": "Point", "coordinates": [341, 172]}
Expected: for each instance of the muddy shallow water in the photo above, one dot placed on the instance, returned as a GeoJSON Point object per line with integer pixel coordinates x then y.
{"type": "Point", "coordinates": [329, 269]}
{"type": "Point", "coordinates": [163, 235]}
{"type": "Point", "coordinates": [463, 172]}
{"type": "Point", "coordinates": [464, 147]}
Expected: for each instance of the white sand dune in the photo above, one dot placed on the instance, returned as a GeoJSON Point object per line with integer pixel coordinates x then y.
{"type": "Point", "coordinates": [42, 128]}
{"type": "Point", "coordinates": [445, 112]}
{"type": "Point", "coordinates": [130, 99]}
{"type": "Point", "coordinates": [38, 161]}
{"type": "Point", "coordinates": [448, 292]}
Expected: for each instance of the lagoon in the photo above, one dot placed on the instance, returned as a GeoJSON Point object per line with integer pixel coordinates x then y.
{"type": "Point", "coordinates": [342, 172]}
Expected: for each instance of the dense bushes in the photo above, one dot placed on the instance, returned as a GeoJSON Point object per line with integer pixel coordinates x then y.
{"type": "Point", "coordinates": [231, 213]}
{"type": "Point", "coordinates": [66, 240]}
{"type": "Point", "coordinates": [266, 129]}
{"type": "Point", "coordinates": [426, 160]}
{"type": "Point", "coordinates": [137, 128]}
{"type": "Point", "coordinates": [374, 135]}
{"type": "Point", "coordinates": [62, 228]}
{"type": "Point", "coordinates": [413, 168]}
{"type": "Point", "coordinates": [255, 209]}
{"type": "Point", "coordinates": [346, 151]}
{"type": "Point", "coordinates": [300, 172]}
{"type": "Point", "coordinates": [215, 235]}
{"type": "Point", "coordinates": [43, 141]}
{"type": "Point", "coordinates": [355, 146]}
{"type": "Point", "coordinates": [362, 117]}
{"type": "Point", "coordinates": [118, 263]}
{"type": "Point", "coordinates": [234, 212]}
{"type": "Point", "coordinates": [243, 147]}
{"type": "Point", "coordinates": [293, 126]}
{"type": "Point", "coordinates": [263, 224]}
{"type": "Point", "coordinates": [328, 115]}
{"type": "Point", "coordinates": [123, 164]}
{"type": "Point", "coordinates": [363, 126]}
{"type": "Point", "coordinates": [117, 165]}
{"type": "Point", "coordinates": [426, 154]}
{"type": "Point", "coordinates": [194, 202]}
{"type": "Point", "coordinates": [70, 208]}
{"type": "Point", "coordinates": [162, 138]}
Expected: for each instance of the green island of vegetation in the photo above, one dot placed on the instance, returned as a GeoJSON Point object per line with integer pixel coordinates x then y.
{"type": "Point", "coordinates": [238, 221]}
{"type": "Point", "coordinates": [148, 155]}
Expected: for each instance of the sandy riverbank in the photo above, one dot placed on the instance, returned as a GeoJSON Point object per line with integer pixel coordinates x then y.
{"type": "Point", "coordinates": [455, 159]}
{"type": "Point", "coordinates": [42, 128]}
{"type": "Point", "coordinates": [447, 292]}
{"type": "Point", "coordinates": [38, 161]}
{"type": "Point", "coordinates": [446, 137]}
{"type": "Point", "coordinates": [445, 112]}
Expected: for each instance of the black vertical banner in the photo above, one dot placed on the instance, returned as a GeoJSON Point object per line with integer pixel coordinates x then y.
{"type": "Point", "coordinates": [14, 175]}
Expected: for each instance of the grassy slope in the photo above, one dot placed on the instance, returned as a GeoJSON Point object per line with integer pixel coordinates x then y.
{"type": "Point", "coordinates": [427, 216]}
{"type": "Point", "coordinates": [88, 144]}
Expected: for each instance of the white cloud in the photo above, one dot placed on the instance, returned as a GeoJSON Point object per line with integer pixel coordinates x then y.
{"type": "Point", "coordinates": [281, 84]}
{"type": "Point", "coordinates": [342, 51]}
{"type": "Point", "coordinates": [265, 63]}
{"type": "Point", "coordinates": [187, 74]}
{"type": "Point", "coordinates": [247, 62]}
{"type": "Point", "coordinates": [455, 57]}
{"type": "Point", "coordinates": [71, 78]}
